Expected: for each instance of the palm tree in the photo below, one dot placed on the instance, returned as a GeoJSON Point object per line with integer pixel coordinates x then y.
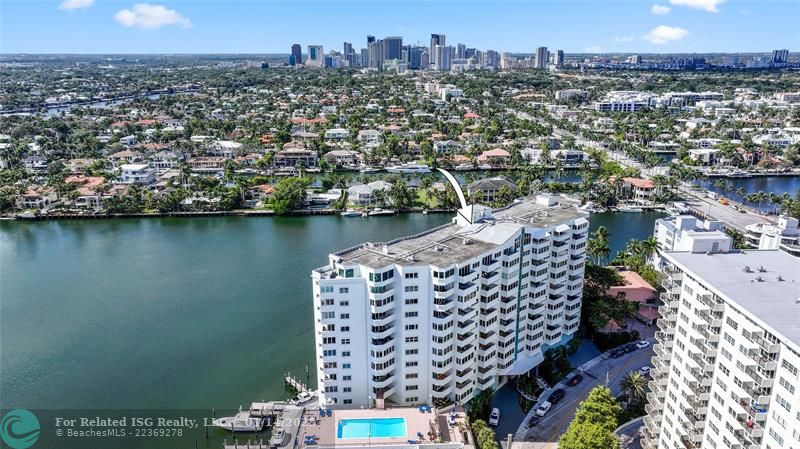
{"type": "Point", "coordinates": [635, 386]}
{"type": "Point", "coordinates": [648, 247]}
{"type": "Point", "coordinates": [598, 245]}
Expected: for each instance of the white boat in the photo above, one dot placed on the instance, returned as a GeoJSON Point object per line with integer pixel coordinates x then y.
{"type": "Point", "coordinates": [378, 211]}
{"type": "Point", "coordinates": [241, 422]}
{"type": "Point", "coordinates": [629, 209]}
{"type": "Point", "coordinates": [464, 167]}
{"type": "Point", "coordinates": [278, 435]}
{"type": "Point", "coordinates": [739, 174]}
{"type": "Point", "coordinates": [409, 168]}
{"type": "Point", "coordinates": [368, 170]}
{"type": "Point", "coordinates": [351, 213]}
{"type": "Point", "coordinates": [589, 207]}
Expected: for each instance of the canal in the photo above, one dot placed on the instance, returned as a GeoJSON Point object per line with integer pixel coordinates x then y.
{"type": "Point", "coordinates": [176, 313]}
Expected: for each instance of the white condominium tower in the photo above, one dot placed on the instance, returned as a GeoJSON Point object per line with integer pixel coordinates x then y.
{"type": "Point", "coordinates": [725, 373]}
{"type": "Point", "coordinates": [446, 313]}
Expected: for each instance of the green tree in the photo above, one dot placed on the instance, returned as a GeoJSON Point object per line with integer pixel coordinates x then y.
{"type": "Point", "coordinates": [594, 423]}
{"type": "Point", "coordinates": [289, 195]}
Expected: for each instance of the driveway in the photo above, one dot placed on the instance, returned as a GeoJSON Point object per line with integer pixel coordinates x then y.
{"type": "Point", "coordinates": [511, 415]}
{"type": "Point", "coordinates": [601, 372]}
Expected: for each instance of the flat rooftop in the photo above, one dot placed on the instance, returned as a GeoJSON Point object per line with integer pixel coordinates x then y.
{"type": "Point", "coordinates": [444, 245]}
{"type": "Point", "coordinates": [770, 295]}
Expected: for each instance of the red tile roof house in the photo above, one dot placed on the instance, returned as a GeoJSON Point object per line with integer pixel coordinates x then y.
{"type": "Point", "coordinates": [89, 190]}
{"type": "Point", "coordinates": [636, 289]}
{"type": "Point", "coordinates": [496, 157]}
{"type": "Point", "coordinates": [638, 189]}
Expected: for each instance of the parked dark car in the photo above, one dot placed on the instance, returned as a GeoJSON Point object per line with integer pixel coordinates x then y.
{"type": "Point", "coordinates": [575, 380]}
{"type": "Point", "coordinates": [629, 348]}
{"type": "Point", "coordinates": [617, 353]}
{"type": "Point", "coordinates": [533, 421]}
{"type": "Point", "coordinates": [556, 396]}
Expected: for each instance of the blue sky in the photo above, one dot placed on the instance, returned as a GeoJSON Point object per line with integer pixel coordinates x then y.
{"type": "Point", "coordinates": [232, 26]}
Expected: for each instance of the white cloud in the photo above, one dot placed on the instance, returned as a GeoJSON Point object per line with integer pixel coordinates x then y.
{"type": "Point", "coordinates": [69, 5]}
{"type": "Point", "coordinates": [593, 49]}
{"type": "Point", "coordinates": [150, 17]}
{"type": "Point", "coordinates": [705, 5]}
{"type": "Point", "coordinates": [663, 34]}
{"type": "Point", "coordinates": [660, 9]}
{"type": "Point", "coordinates": [624, 39]}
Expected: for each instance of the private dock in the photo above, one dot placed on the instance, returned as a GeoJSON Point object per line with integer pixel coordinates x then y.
{"type": "Point", "coordinates": [296, 384]}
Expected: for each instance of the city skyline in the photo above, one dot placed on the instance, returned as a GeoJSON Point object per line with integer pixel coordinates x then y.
{"type": "Point", "coordinates": [666, 26]}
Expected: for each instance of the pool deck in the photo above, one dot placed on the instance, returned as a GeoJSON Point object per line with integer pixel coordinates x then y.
{"type": "Point", "coordinates": [430, 425]}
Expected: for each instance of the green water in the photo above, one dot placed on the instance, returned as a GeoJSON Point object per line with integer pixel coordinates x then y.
{"type": "Point", "coordinates": [175, 313]}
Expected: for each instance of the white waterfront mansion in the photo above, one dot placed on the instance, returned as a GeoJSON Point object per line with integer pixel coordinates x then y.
{"type": "Point", "coordinates": [441, 315]}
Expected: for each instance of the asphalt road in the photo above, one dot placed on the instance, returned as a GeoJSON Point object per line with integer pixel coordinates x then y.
{"type": "Point", "coordinates": [608, 371]}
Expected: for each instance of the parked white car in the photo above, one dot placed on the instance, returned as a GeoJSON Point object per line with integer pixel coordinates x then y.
{"type": "Point", "coordinates": [644, 371]}
{"type": "Point", "coordinates": [543, 409]}
{"type": "Point", "coordinates": [494, 418]}
{"type": "Point", "coordinates": [641, 344]}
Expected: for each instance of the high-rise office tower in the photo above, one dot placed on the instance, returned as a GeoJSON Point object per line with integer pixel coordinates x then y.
{"type": "Point", "coordinates": [347, 48]}
{"type": "Point", "coordinates": [443, 56]}
{"type": "Point", "coordinates": [491, 59]}
{"type": "Point", "coordinates": [424, 59]}
{"type": "Point", "coordinates": [370, 38]}
{"type": "Point", "coordinates": [392, 48]}
{"type": "Point", "coordinates": [725, 370]}
{"type": "Point", "coordinates": [316, 58]}
{"type": "Point", "coordinates": [469, 52]}
{"type": "Point", "coordinates": [559, 60]}
{"type": "Point", "coordinates": [436, 39]}
{"type": "Point", "coordinates": [541, 58]}
{"type": "Point", "coordinates": [375, 54]}
{"type": "Point", "coordinates": [780, 56]}
{"type": "Point", "coordinates": [297, 55]}
{"type": "Point", "coordinates": [415, 57]}
{"type": "Point", "coordinates": [452, 311]}
{"type": "Point", "coordinates": [461, 50]}
{"type": "Point", "coordinates": [364, 57]}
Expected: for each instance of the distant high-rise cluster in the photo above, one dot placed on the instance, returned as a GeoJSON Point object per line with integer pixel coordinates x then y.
{"type": "Point", "coordinates": [390, 53]}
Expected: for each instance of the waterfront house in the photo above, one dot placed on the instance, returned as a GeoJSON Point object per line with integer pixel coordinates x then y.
{"type": "Point", "coordinates": [341, 158]}
{"type": "Point", "coordinates": [487, 189]}
{"type": "Point", "coordinates": [637, 189]}
{"type": "Point", "coordinates": [292, 156]}
{"type": "Point", "coordinates": [365, 194]}
{"type": "Point", "coordinates": [36, 198]}
{"type": "Point", "coordinates": [139, 174]}
{"type": "Point", "coordinates": [89, 189]}
{"type": "Point", "coordinates": [497, 157]}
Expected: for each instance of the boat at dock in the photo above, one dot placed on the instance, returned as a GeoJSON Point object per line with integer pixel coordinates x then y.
{"type": "Point", "coordinates": [590, 207]}
{"type": "Point", "coordinates": [370, 170]}
{"type": "Point", "coordinates": [351, 213]}
{"type": "Point", "coordinates": [241, 422]}
{"type": "Point", "coordinates": [409, 168]}
{"type": "Point", "coordinates": [379, 212]}
{"type": "Point", "coordinates": [629, 209]}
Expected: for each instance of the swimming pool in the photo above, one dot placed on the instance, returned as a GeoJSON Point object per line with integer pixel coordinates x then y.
{"type": "Point", "coordinates": [371, 428]}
